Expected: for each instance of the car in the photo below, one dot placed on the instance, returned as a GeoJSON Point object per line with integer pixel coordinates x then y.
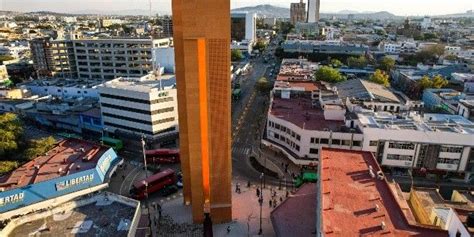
{"type": "Point", "coordinates": [168, 190]}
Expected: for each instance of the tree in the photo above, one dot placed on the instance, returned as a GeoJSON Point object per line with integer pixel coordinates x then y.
{"type": "Point", "coordinates": [39, 147]}
{"type": "Point", "coordinates": [236, 55]}
{"type": "Point", "coordinates": [439, 82]}
{"type": "Point", "coordinates": [425, 83]}
{"type": "Point", "coordinates": [11, 131]}
{"type": "Point", "coordinates": [329, 74]}
{"type": "Point", "coordinates": [263, 85]}
{"type": "Point", "coordinates": [436, 82]}
{"type": "Point", "coordinates": [359, 62]}
{"type": "Point", "coordinates": [7, 166]}
{"type": "Point", "coordinates": [336, 63]}
{"type": "Point", "coordinates": [386, 64]}
{"type": "Point", "coordinates": [380, 77]}
{"type": "Point", "coordinates": [260, 46]}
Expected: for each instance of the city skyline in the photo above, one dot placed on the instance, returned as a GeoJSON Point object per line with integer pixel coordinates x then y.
{"type": "Point", "coordinates": [401, 7]}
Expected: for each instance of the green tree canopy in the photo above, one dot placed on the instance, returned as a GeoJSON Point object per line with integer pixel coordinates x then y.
{"type": "Point", "coordinates": [336, 63]}
{"type": "Point", "coordinates": [11, 131]}
{"type": "Point", "coordinates": [260, 46]}
{"type": "Point", "coordinates": [358, 62]}
{"type": "Point", "coordinates": [263, 85]}
{"type": "Point", "coordinates": [39, 147]}
{"type": "Point", "coordinates": [329, 74]}
{"type": "Point", "coordinates": [7, 166]}
{"type": "Point", "coordinates": [380, 77]}
{"type": "Point", "coordinates": [436, 82]}
{"type": "Point", "coordinates": [386, 64]}
{"type": "Point", "coordinates": [236, 55]}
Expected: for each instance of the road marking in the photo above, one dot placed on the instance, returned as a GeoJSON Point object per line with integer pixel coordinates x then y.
{"type": "Point", "coordinates": [126, 177]}
{"type": "Point", "coordinates": [132, 181]}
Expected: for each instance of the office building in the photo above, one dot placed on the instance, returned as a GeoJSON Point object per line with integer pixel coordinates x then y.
{"type": "Point", "coordinates": [298, 12]}
{"type": "Point", "coordinates": [313, 10]}
{"type": "Point", "coordinates": [243, 26]}
{"type": "Point", "coordinates": [53, 57]}
{"type": "Point", "coordinates": [100, 59]}
{"type": "Point", "coordinates": [167, 24]}
{"type": "Point", "coordinates": [201, 39]}
{"type": "Point", "coordinates": [141, 106]}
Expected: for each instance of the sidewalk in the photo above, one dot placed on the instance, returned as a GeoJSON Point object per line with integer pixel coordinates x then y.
{"type": "Point", "coordinates": [245, 213]}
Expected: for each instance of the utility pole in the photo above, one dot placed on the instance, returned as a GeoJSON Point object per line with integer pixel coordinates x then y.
{"type": "Point", "coordinates": [146, 177]}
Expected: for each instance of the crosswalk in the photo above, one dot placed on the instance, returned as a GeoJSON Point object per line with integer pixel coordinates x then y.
{"type": "Point", "coordinates": [241, 151]}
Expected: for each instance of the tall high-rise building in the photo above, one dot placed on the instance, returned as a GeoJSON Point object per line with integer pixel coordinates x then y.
{"type": "Point", "coordinates": [201, 40]}
{"type": "Point", "coordinates": [243, 26]}
{"type": "Point", "coordinates": [298, 12]}
{"type": "Point", "coordinates": [313, 10]}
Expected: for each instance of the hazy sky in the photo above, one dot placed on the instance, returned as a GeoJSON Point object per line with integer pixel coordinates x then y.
{"type": "Point", "coordinates": [399, 7]}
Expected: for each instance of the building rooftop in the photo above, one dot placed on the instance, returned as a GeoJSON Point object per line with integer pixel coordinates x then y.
{"type": "Point", "coordinates": [355, 204]}
{"type": "Point", "coordinates": [105, 214]}
{"type": "Point", "coordinates": [296, 216]}
{"type": "Point", "coordinates": [365, 90]}
{"type": "Point", "coordinates": [300, 112]}
{"type": "Point", "coordinates": [64, 82]}
{"type": "Point", "coordinates": [144, 84]}
{"type": "Point", "coordinates": [414, 121]}
{"type": "Point", "coordinates": [67, 157]}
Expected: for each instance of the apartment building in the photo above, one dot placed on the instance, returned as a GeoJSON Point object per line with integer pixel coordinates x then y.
{"type": "Point", "coordinates": [298, 12]}
{"type": "Point", "coordinates": [141, 106]}
{"type": "Point", "coordinates": [100, 59]}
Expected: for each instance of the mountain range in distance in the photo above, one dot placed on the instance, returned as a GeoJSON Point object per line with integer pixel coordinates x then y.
{"type": "Point", "coordinates": [282, 12]}
{"type": "Point", "coordinates": [265, 10]}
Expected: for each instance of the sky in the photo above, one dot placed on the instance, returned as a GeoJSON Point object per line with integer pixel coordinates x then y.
{"type": "Point", "coordinates": [398, 7]}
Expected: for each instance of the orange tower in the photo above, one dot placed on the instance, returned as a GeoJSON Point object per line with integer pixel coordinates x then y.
{"type": "Point", "coordinates": [202, 55]}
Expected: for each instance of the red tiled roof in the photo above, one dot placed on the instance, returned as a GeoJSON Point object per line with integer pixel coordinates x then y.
{"type": "Point", "coordinates": [64, 159]}
{"type": "Point", "coordinates": [296, 216]}
{"type": "Point", "coordinates": [355, 204]}
{"type": "Point", "coordinates": [300, 112]}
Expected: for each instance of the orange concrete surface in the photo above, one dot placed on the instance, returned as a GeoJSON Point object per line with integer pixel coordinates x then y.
{"type": "Point", "coordinates": [201, 40]}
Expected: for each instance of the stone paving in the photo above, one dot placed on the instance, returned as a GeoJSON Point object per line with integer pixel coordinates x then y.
{"type": "Point", "coordinates": [176, 217]}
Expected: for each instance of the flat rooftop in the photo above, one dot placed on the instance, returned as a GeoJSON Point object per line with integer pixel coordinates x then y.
{"type": "Point", "coordinates": [144, 84]}
{"type": "Point", "coordinates": [296, 216]}
{"type": "Point", "coordinates": [64, 159]}
{"type": "Point", "coordinates": [300, 112]}
{"type": "Point", "coordinates": [355, 204]}
{"type": "Point", "coordinates": [101, 217]}
{"type": "Point", "coordinates": [64, 82]}
{"type": "Point", "coordinates": [414, 121]}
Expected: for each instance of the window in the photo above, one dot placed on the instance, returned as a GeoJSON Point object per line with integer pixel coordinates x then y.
{"type": "Point", "coordinates": [399, 157]}
{"type": "Point", "coordinates": [297, 148]}
{"type": "Point", "coordinates": [373, 143]}
{"type": "Point", "coordinates": [277, 136]}
{"type": "Point", "coordinates": [452, 149]}
{"type": "Point", "coordinates": [298, 137]}
{"type": "Point", "coordinates": [336, 142]}
{"type": "Point", "coordinates": [401, 145]}
{"type": "Point", "coordinates": [346, 142]}
{"type": "Point", "coordinates": [324, 141]}
{"type": "Point", "coordinates": [313, 151]}
{"type": "Point", "coordinates": [448, 161]}
{"type": "Point", "coordinates": [356, 143]}
{"type": "Point", "coordinates": [314, 140]}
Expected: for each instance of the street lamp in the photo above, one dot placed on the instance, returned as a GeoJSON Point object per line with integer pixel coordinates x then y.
{"type": "Point", "coordinates": [260, 201]}
{"type": "Point", "coordinates": [146, 177]}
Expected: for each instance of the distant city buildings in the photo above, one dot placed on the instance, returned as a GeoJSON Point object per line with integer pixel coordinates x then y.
{"type": "Point", "coordinates": [313, 11]}
{"type": "Point", "coordinates": [297, 12]}
{"type": "Point", "coordinates": [100, 59]}
{"type": "Point", "coordinates": [243, 31]}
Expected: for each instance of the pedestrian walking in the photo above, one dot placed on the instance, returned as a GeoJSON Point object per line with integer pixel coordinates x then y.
{"type": "Point", "coordinates": [237, 188]}
{"type": "Point", "coordinates": [123, 177]}
{"type": "Point", "coordinates": [248, 184]}
{"type": "Point", "coordinates": [270, 203]}
{"type": "Point", "coordinates": [287, 193]}
{"type": "Point", "coordinates": [228, 229]}
{"type": "Point", "coordinates": [258, 192]}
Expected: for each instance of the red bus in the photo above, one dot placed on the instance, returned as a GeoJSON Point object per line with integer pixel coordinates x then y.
{"type": "Point", "coordinates": [155, 183]}
{"type": "Point", "coordinates": [162, 156]}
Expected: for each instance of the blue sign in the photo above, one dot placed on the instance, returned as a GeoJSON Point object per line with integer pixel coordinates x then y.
{"type": "Point", "coordinates": [38, 192]}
